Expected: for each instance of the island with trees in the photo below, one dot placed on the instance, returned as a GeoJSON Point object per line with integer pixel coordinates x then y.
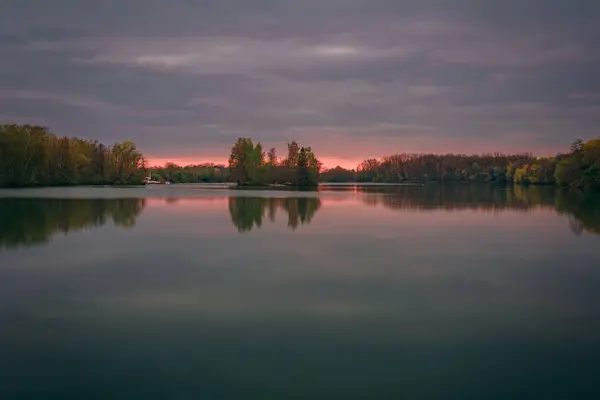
{"type": "Point", "coordinates": [249, 166]}
{"type": "Point", "coordinates": [34, 156]}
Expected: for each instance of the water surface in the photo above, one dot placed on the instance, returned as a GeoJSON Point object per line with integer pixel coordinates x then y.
{"type": "Point", "coordinates": [183, 292]}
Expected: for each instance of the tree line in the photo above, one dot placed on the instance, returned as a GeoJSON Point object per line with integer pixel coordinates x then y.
{"type": "Point", "coordinates": [34, 156]}
{"type": "Point", "coordinates": [206, 173]}
{"type": "Point", "coordinates": [579, 168]}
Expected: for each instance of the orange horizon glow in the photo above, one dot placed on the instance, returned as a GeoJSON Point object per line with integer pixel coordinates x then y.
{"type": "Point", "coordinates": [328, 162]}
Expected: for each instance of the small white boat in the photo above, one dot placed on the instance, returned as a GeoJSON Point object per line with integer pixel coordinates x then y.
{"type": "Point", "coordinates": [149, 181]}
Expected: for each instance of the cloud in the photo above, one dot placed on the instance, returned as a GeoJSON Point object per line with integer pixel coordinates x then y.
{"type": "Point", "coordinates": [61, 98]}
{"type": "Point", "coordinates": [357, 78]}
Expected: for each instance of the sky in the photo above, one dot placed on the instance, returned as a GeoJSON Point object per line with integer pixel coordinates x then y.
{"type": "Point", "coordinates": [354, 79]}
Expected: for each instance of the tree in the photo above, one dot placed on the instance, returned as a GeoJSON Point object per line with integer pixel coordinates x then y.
{"type": "Point", "coordinates": [314, 164]}
{"type": "Point", "coordinates": [293, 153]}
{"type": "Point", "coordinates": [257, 161]}
{"type": "Point", "coordinates": [306, 172]}
{"type": "Point", "coordinates": [580, 169]}
{"type": "Point", "coordinates": [576, 145]}
{"type": "Point", "coordinates": [272, 157]}
{"type": "Point", "coordinates": [246, 162]}
{"type": "Point", "coordinates": [128, 163]}
{"type": "Point", "coordinates": [238, 160]}
{"type": "Point", "coordinates": [368, 170]}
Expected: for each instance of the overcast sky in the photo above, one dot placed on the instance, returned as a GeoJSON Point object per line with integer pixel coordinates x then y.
{"type": "Point", "coordinates": [352, 78]}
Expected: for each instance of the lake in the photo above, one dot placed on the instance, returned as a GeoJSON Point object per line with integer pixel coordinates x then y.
{"type": "Point", "coordinates": [184, 292]}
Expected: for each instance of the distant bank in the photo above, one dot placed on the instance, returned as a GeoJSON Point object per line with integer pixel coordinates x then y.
{"type": "Point", "coordinates": [34, 156]}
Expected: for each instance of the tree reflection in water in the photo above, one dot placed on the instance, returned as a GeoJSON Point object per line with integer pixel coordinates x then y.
{"type": "Point", "coordinates": [29, 221]}
{"type": "Point", "coordinates": [583, 210]}
{"type": "Point", "coordinates": [249, 212]}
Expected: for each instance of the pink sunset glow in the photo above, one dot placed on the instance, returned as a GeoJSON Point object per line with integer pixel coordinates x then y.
{"type": "Point", "coordinates": [352, 155]}
{"type": "Point", "coordinates": [328, 162]}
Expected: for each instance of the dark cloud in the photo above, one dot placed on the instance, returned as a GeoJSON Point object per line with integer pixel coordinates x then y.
{"type": "Point", "coordinates": [187, 77]}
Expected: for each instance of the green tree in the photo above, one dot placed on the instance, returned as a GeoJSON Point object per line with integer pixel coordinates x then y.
{"type": "Point", "coordinates": [238, 160]}
{"type": "Point", "coordinates": [307, 168]}
{"type": "Point", "coordinates": [580, 169]}
{"type": "Point", "coordinates": [33, 156]}
{"type": "Point", "coordinates": [246, 162]}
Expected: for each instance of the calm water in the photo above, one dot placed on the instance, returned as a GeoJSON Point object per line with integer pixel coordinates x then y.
{"type": "Point", "coordinates": [187, 293]}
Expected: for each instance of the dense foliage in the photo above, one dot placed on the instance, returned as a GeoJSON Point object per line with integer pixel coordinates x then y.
{"type": "Point", "coordinates": [579, 168]}
{"type": "Point", "coordinates": [207, 173]}
{"type": "Point", "coordinates": [249, 166]}
{"type": "Point", "coordinates": [33, 156]}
